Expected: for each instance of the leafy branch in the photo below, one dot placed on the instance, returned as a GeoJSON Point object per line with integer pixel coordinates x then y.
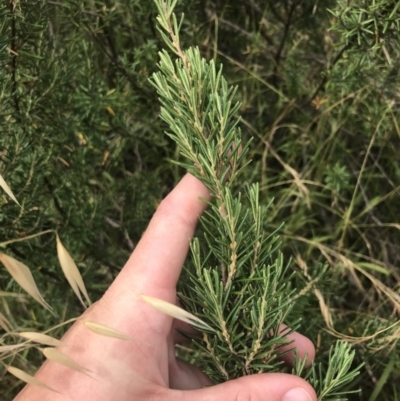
{"type": "Point", "coordinates": [238, 283]}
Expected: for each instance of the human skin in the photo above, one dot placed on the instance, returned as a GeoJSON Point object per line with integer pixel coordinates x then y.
{"type": "Point", "coordinates": [147, 368]}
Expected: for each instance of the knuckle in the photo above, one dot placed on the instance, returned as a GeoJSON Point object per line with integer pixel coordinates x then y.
{"type": "Point", "coordinates": [246, 394]}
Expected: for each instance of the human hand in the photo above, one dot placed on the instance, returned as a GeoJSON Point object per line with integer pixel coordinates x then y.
{"type": "Point", "coordinates": [147, 369]}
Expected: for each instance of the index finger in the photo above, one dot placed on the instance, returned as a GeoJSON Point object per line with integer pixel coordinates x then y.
{"type": "Point", "coordinates": [156, 263]}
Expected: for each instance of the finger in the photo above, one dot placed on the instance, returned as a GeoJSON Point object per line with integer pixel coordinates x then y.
{"type": "Point", "coordinates": [303, 345]}
{"type": "Point", "coordinates": [299, 342]}
{"type": "Point", "coordinates": [179, 327]}
{"type": "Point", "coordinates": [184, 376]}
{"type": "Point", "coordinates": [261, 387]}
{"type": "Point", "coordinates": [156, 263]}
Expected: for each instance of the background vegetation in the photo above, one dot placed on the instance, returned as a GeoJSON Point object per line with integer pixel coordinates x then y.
{"type": "Point", "coordinates": [83, 149]}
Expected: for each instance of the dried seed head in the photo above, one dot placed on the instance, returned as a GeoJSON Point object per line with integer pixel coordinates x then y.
{"type": "Point", "coordinates": [175, 312]}
{"type": "Point", "coordinates": [20, 374]}
{"type": "Point", "coordinates": [107, 331]}
{"type": "Point", "coordinates": [71, 272]}
{"type": "Point", "coordinates": [23, 276]}
{"type": "Point", "coordinates": [57, 356]}
{"type": "Point", "coordinates": [41, 338]}
{"type": "Point", "coordinates": [7, 190]}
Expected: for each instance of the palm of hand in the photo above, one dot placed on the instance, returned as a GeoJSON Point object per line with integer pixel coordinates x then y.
{"type": "Point", "coordinates": [146, 368]}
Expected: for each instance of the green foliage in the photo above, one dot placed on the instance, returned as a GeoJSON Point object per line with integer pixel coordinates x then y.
{"type": "Point", "coordinates": [84, 152]}
{"type": "Point", "coordinates": [80, 146]}
{"type": "Point", "coordinates": [238, 284]}
{"type": "Point", "coordinates": [368, 24]}
{"type": "Point", "coordinates": [337, 375]}
{"type": "Point", "coordinates": [337, 178]}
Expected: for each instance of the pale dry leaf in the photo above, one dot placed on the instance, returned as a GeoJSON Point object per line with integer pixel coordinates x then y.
{"type": "Point", "coordinates": [7, 190]}
{"type": "Point", "coordinates": [57, 356]}
{"type": "Point", "coordinates": [175, 312]}
{"type": "Point", "coordinates": [106, 331]}
{"type": "Point", "coordinates": [23, 276]}
{"type": "Point", "coordinates": [20, 374]}
{"type": "Point", "coordinates": [41, 338]}
{"type": "Point", "coordinates": [71, 272]}
{"type": "Point", "coordinates": [4, 323]}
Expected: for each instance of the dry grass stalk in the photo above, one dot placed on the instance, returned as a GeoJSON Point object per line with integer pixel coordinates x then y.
{"type": "Point", "coordinates": [20, 374]}
{"type": "Point", "coordinates": [395, 225]}
{"type": "Point", "coordinates": [9, 294]}
{"type": "Point", "coordinates": [13, 347]}
{"type": "Point", "coordinates": [7, 190]}
{"type": "Point", "coordinates": [296, 176]}
{"type": "Point", "coordinates": [57, 356]}
{"type": "Point", "coordinates": [40, 338]}
{"type": "Point", "coordinates": [23, 276]}
{"type": "Point", "coordinates": [353, 268]}
{"type": "Point", "coordinates": [12, 241]}
{"type": "Point", "coordinates": [175, 312]}
{"type": "Point", "coordinates": [325, 311]}
{"type": "Point", "coordinates": [71, 272]}
{"type": "Point", "coordinates": [358, 340]}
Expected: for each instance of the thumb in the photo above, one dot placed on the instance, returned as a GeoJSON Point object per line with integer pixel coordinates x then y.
{"type": "Point", "coordinates": [261, 387]}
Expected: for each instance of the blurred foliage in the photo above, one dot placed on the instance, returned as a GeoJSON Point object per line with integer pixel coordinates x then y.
{"type": "Point", "coordinates": [85, 154]}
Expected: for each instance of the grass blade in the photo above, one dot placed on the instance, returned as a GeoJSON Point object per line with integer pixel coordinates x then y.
{"type": "Point", "coordinates": [20, 374]}
{"type": "Point", "coordinates": [71, 272]}
{"type": "Point", "coordinates": [40, 338]}
{"type": "Point", "coordinates": [4, 323]}
{"type": "Point", "coordinates": [9, 294]}
{"type": "Point", "coordinates": [377, 392]}
{"type": "Point", "coordinates": [175, 312]}
{"type": "Point", "coordinates": [7, 190]}
{"type": "Point", "coordinates": [23, 276]}
{"type": "Point", "coordinates": [13, 347]}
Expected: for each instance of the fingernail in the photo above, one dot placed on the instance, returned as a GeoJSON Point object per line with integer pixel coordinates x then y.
{"type": "Point", "coordinates": [297, 394]}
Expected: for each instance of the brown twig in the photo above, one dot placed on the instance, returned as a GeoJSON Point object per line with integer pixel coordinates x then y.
{"type": "Point", "coordinates": [286, 24]}
{"type": "Point", "coordinates": [325, 79]}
